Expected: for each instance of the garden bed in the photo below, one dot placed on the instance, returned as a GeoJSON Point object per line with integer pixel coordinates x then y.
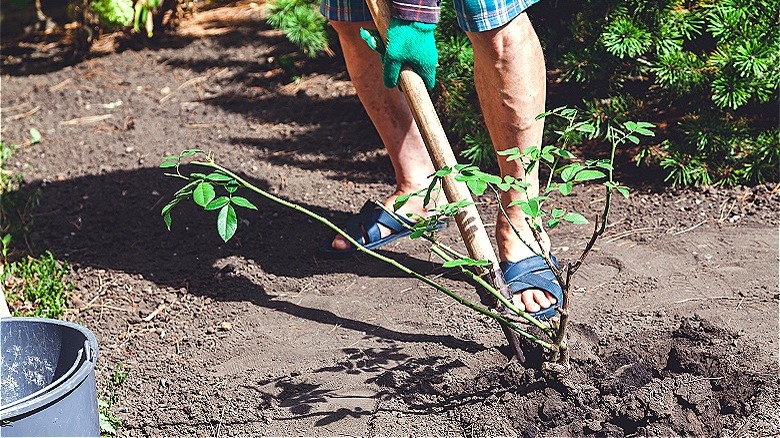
{"type": "Point", "coordinates": [675, 317]}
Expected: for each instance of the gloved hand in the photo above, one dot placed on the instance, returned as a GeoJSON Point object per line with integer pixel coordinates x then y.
{"type": "Point", "coordinates": [411, 43]}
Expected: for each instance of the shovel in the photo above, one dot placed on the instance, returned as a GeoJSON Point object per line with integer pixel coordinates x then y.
{"type": "Point", "coordinates": [469, 222]}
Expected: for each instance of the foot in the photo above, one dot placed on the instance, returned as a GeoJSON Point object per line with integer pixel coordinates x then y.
{"type": "Point", "coordinates": [413, 206]}
{"type": "Point", "coordinates": [512, 249]}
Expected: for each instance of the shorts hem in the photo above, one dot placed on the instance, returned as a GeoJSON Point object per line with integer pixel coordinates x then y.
{"type": "Point", "coordinates": [490, 20]}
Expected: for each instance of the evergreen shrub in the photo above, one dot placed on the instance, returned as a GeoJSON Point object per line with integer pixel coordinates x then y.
{"type": "Point", "coordinates": [707, 73]}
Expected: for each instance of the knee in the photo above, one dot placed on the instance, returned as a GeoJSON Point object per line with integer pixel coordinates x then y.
{"type": "Point", "coordinates": [503, 41]}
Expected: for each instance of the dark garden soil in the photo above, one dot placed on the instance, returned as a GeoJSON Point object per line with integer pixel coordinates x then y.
{"type": "Point", "coordinates": [675, 315]}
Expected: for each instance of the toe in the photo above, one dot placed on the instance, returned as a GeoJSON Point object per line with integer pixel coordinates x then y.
{"type": "Point", "coordinates": [340, 244]}
{"type": "Point", "coordinates": [541, 299]}
{"type": "Point", "coordinates": [517, 300]}
{"type": "Point", "coordinates": [530, 303]}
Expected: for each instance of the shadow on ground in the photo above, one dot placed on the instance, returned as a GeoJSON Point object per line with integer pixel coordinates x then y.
{"type": "Point", "coordinates": [113, 222]}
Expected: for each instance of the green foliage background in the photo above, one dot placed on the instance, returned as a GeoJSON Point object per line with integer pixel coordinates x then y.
{"type": "Point", "coordinates": [94, 16]}
{"type": "Point", "coordinates": [709, 71]}
{"type": "Point", "coordinates": [706, 72]}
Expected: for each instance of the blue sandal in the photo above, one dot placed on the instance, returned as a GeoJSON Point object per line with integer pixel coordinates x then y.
{"type": "Point", "coordinates": [364, 228]}
{"type": "Point", "coordinates": [533, 273]}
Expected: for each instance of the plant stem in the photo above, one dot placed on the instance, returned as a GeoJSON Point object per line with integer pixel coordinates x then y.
{"type": "Point", "coordinates": [512, 225]}
{"type": "Point", "coordinates": [561, 352]}
{"type": "Point", "coordinates": [508, 304]}
{"type": "Point", "coordinates": [378, 256]}
{"type": "Point", "coordinates": [440, 249]}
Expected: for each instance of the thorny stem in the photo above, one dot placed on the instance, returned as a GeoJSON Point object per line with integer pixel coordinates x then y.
{"type": "Point", "coordinates": [503, 320]}
{"type": "Point", "coordinates": [552, 172]}
{"type": "Point", "coordinates": [512, 225]}
{"type": "Point", "coordinates": [437, 248]}
{"type": "Point", "coordinates": [378, 256]}
{"type": "Point", "coordinates": [546, 254]}
{"type": "Point", "coordinates": [561, 353]}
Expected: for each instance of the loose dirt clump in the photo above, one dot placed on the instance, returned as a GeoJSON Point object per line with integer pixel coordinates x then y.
{"type": "Point", "coordinates": [624, 394]}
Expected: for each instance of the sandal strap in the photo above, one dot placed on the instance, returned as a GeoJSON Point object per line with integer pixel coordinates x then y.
{"type": "Point", "coordinates": [532, 273]}
{"type": "Point", "coordinates": [389, 221]}
{"type": "Point", "coordinates": [367, 220]}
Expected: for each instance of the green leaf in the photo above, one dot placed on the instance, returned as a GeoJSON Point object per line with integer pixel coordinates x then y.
{"type": "Point", "coordinates": [186, 190]}
{"type": "Point", "coordinates": [557, 212]}
{"type": "Point", "coordinates": [565, 188]}
{"type": "Point", "coordinates": [231, 186]}
{"type": "Point", "coordinates": [227, 223]}
{"type": "Point", "coordinates": [169, 206]}
{"type": "Point", "coordinates": [106, 427]}
{"type": "Point", "coordinates": [623, 190]}
{"type": "Point", "coordinates": [167, 219]}
{"type": "Point", "coordinates": [35, 136]}
{"type": "Point", "coordinates": [429, 191]}
{"type": "Point", "coordinates": [543, 115]}
{"type": "Point", "coordinates": [569, 171]}
{"type": "Point", "coordinates": [631, 126]}
{"type": "Point", "coordinates": [189, 152]}
{"type": "Point", "coordinates": [452, 208]}
{"type": "Point", "coordinates": [510, 151]}
{"type": "Point", "coordinates": [568, 112]}
{"type": "Point", "coordinates": [218, 177]}
{"type": "Point", "coordinates": [465, 262]}
{"type": "Point", "coordinates": [604, 164]}
{"type": "Point", "coordinates": [401, 201]}
{"type": "Point", "coordinates": [476, 186]}
{"type": "Point", "coordinates": [575, 218]}
{"type": "Point", "coordinates": [586, 128]}
{"type": "Point", "coordinates": [563, 153]}
{"type": "Point", "coordinates": [520, 186]}
{"type": "Point", "coordinates": [167, 164]}
{"type": "Point", "coordinates": [493, 179]}
{"type": "Point", "coordinates": [242, 202]}
{"type": "Point", "coordinates": [444, 171]}
{"type": "Point", "coordinates": [217, 203]}
{"type": "Point", "coordinates": [203, 193]}
{"type": "Point", "coordinates": [589, 175]}
{"type": "Point", "coordinates": [183, 194]}
{"type": "Point", "coordinates": [531, 208]}
{"type": "Point", "coordinates": [552, 223]}
{"type": "Point", "coordinates": [645, 132]}
{"type": "Point", "coordinates": [633, 139]}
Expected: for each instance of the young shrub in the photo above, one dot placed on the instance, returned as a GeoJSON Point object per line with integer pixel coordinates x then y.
{"type": "Point", "coordinates": [217, 191]}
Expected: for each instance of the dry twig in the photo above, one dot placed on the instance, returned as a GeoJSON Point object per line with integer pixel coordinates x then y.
{"type": "Point", "coordinates": [86, 120]}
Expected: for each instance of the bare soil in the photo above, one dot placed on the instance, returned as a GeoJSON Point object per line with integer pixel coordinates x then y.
{"type": "Point", "coordinates": [676, 311]}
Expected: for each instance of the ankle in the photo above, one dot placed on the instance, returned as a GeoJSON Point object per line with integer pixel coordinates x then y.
{"type": "Point", "coordinates": [513, 248]}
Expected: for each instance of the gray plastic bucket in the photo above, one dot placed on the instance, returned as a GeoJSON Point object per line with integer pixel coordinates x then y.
{"type": "Point", "coordinates": [47, 379]}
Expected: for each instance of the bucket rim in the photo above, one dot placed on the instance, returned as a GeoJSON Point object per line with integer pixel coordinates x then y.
{"type": "Point", "coordinates": [56, 389]}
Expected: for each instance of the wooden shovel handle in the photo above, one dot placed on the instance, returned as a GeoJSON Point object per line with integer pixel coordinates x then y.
{"type": "Point", "coordinates": [472, 230]}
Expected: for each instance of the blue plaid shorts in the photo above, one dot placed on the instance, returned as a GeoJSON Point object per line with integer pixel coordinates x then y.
{"type": "Point", "coordinates": [473, 15]}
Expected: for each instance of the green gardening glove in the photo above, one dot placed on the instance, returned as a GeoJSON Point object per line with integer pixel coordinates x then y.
{"type": "Point", "coordinates": [410, 43]}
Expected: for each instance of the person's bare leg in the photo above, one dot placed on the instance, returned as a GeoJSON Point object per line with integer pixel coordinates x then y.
{"type": "Point", "coordinates": [391, 116]}
{"type": "Point", "coordinates": [510, 78]}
